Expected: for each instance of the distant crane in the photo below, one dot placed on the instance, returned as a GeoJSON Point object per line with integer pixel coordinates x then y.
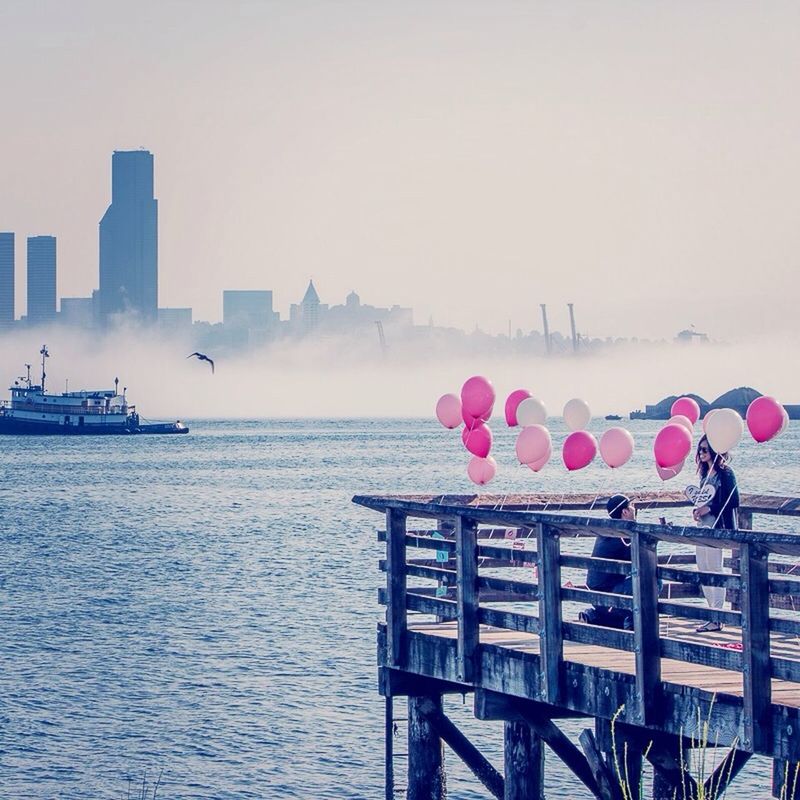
{"type": "Point", "coordinates": [381, 337]}
{"type": "Point", "coordinates": [572, 327]}
{"type": "Point", "coordinates": [546, 328]}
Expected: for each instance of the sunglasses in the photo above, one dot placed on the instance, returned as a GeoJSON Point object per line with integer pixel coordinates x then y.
{"type": "Point", "coordinates": [703, 450]}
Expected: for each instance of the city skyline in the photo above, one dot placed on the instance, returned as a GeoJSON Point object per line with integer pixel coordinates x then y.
{"type": "Point", "coordinates": [529, 155]}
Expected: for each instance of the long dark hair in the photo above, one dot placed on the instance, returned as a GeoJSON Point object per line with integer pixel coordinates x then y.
{"type": "Point", "coordinates": [718, 460]}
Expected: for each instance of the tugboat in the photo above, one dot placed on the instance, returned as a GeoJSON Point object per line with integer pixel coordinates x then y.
{"type": "Point", "coordinates": [32, 411]}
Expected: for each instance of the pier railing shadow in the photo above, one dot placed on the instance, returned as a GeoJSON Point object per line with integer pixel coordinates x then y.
{"type": "Point", "coordinates": [479, 600]}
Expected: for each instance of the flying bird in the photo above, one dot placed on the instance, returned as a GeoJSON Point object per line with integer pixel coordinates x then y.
{"type": "Point", "coordinates": [203, 357]}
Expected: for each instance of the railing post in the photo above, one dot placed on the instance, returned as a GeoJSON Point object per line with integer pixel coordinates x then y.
{"type": "Point", "coordinates": [467, 598]}
{"type": "Point", "coordinates": [396, 621]}
{"type": "Point", "coordinates": [551, 637]}
{"type": "Point", "coordinates": [647, 645]}
{"type": "Point", "coordinates": [756, 668]}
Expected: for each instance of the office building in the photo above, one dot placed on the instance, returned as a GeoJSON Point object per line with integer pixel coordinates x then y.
{"type": "Point", "coordinates": [248, 309]}
{"type": "Point", "coordinates": [129, 240]}
{"type": "Point", "coordinates": [41, 279]}
{"type": "Point", "coordinates": [6, 279]}
{"type": "Point", "coordinates": [77, 312]}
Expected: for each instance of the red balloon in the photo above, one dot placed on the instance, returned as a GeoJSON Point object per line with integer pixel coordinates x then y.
{"type": "Point", "coordinates": [578, 450]}
{"type": "Point", "coordinates": [672, 445]}
{"type": "Point", "coordinates": [478, 440]}
{"type": "Point", "coordinates": [765, 418]}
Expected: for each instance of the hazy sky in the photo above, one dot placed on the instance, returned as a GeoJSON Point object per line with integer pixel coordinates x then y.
{"type": "Point", "coordinates": [472, 160]}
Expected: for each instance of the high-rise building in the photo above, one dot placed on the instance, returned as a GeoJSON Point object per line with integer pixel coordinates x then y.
{"type": "Point", "coordinates": [129, 240]}
{"type": "Point", "coordinates": [6, 279]}
{"type": "Point", "coordinates": [248, 308]}
{"type": "Point", "coordinates": [41, 279]}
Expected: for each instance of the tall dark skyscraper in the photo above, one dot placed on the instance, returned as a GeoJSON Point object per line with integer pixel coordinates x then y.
{"type": "Point", "coordinates": [41, 279]}
{"type": "Point", "coordinates": [6, 279]}
{"type": "Point", "coordinates": [129, 239]}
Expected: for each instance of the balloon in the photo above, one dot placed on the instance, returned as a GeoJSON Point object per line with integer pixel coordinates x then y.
{"type": "Point", "coordinates": [724, 430]}
{"type": "Point", "coordinates": [470, 421]}
{"type": "Point", "coordinates": [765, 418]}
{"type": "Point", "coordinates": [785, 422]}
{"type": "Point", "coordinates": [687, 407]}
{"type": "Point", "coordinates": [533, 442]}
{"type": "Point", "coordinates": [681, 419]}
{"type": "Point", "coordinates": [672, 445]}
{"type": "Point", "coordinates": [665, 473]}
{"type": "Point", "coordinates": [579, 450]}
{"type": "Point", "coordinates": [478, 440]}
{"type": "Point", "coordinates": [477, 397]}
{"type": "Point", "coordinates": [577, 414]}
{"type": "Point", "coordinates": [616, 447]}
{"type": "Point", "coordinates": [531, 411]}
{"type": "Point", "coordinates": [448, 411]}
{"type": "Point", "coordinates": [710, 413]}
{"type": "Point", "coordinates": [481, 470]}
{"type": "Point", "coordinates": [539, 463]}
{"type": "Point", "coordinates": [512, 406]}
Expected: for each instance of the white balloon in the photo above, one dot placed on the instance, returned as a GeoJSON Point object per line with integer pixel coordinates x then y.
{"type": "Point", "coordinates": [710, 413]}
{"type": "Point", "coordinates": [724, 430]}
{"type": "Point", "coordinates": [577, 414]}
{"type": "Point", "coordinates": [531, 411]}
{"type": "Point", "coordinates": [785, 422]}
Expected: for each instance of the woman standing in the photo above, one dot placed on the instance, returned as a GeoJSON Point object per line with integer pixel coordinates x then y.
{"type": "Point", "coordinates": [720, 512]}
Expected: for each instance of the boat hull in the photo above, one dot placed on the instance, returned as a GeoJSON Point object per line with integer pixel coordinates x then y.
{"type": "Point", "coordinates": [17, 427]}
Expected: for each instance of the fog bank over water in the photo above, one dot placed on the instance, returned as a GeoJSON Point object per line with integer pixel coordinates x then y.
{"type": "Point", "coordinates": [351, 378]}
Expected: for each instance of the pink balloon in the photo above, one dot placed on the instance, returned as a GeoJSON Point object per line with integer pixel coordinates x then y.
{"type": "Point", "coordinates": [470, 421]}
{"type": "Point", "coordinates": [765, 418]}
{"type": "Point", "coordinates": [686, 406]}
{"type": "Point", "coordinates": [672, 445]}
{"type": "Point", "coordinates": [481, 470]}
{"type": "Point", "coordinates": [579, 450]}
{"type": "Point", "coordinates": [477, 396]}
{"type": "Point", "coordinates": [533, 442]}
{"type": "Point", "coordinates": [616, 447]}
{"type": "Point", "coordinates": [478, 440]}
{"type": "Point", "coordinates": [448, 411]}
{"type": "Point", "coordinates": [682, 419]}
{"type": "Point", "coordinates": [513, 400]}
{"type": "Point", "coordinates": [665, 473]}
{"type": "Point", "coordinates": [539, 463]}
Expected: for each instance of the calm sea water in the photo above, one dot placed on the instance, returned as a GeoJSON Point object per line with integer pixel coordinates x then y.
{"type": "Point", "coordinates": [203, 607]}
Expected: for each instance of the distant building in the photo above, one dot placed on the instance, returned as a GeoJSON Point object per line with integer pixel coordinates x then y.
{"type": "Point", "coordinates": [305, 316]}
{"type": "Point", "coordinates": [77, 312]}
{"type": "Point", "coordinates": [248, 308]}
{"type": "Point", "coordinates": [690, 335]}
{"type": "Point", "coordinates": [6, 279]}
{"type": "Point", "coordinates": [129, 240]}
{"type": "Point", "coordinates": [175, 319]}
{"type": "Point", "coordinates": [41, 279]}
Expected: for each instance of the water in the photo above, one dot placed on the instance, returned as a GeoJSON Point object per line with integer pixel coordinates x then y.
{"type": "Point", "coordinates": [205, 605]}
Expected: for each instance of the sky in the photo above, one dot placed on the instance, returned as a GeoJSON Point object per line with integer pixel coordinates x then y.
{"type": "Point", "coordinates": [468, 159]}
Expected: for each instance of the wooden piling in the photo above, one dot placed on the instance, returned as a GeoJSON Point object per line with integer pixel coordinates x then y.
{"type": "Point", "coordinates": [523, 761]}
{"type": "Point", "coordinates": [426, 776]}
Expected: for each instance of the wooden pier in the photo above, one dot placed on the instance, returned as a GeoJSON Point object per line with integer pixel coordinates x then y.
{"type": "Point", "coordinates": [477, 603]}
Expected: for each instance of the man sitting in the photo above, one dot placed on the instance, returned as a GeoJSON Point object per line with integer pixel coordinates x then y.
{"type": "Point", "coordinates": [618, 549]}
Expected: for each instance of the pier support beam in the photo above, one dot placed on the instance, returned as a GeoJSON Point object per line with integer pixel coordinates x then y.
{"type": "Point", "coordinates": [670, 760]}
{"type": "Point", "coordinates": [523, 762]}
{"type": "Point", "coordinates": [426, 777]}
{"type": "Point", "coordinates": [786, 779]}
{"type": "Point", "coordinates": [626, 744]}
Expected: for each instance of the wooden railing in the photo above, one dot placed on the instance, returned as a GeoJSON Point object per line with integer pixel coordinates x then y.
{"type": "Point", "coordinates": [476, 574]}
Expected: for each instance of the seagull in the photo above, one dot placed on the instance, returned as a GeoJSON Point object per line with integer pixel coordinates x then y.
{"type": "Point", "coordinates": [203, 357]}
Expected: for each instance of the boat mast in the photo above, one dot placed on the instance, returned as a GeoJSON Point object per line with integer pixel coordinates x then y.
{"type": "Point", "coordinates": [28, 379]}
{"type": "Point", "coordinates": [44, 354]}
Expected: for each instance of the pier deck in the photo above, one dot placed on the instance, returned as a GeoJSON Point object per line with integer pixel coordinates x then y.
{"type": "Point", "coordinates": [477, 603]}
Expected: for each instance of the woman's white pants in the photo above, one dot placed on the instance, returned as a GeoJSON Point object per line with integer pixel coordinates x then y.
{"type": "Point", "coordinates": [709, 559]}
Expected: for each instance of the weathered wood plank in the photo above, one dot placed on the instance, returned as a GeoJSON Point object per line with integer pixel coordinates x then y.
{"type": "Point", "coordinates": [523, 762]}
{"type": "Point", "coordinates": [645, 628]}
{"type": "Point", "coordinates": [756, 668]}
{"type": "Point", "coordinates": [606, 781]}
{"type": "Point", "coordinates": [467, 602]}
{"type": "Point", "coordinates": [464, 749]}
{"type": "Point", "coordinates": [786, 779]}
{"type": "Point", "coordinates": [550, 634]}
{"type": "Point", "coordinates": [396, 585]}
{"type": "Point", "coordinates": [426, 776]}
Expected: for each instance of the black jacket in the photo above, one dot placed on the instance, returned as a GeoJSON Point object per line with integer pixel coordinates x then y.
{"type": "Point", "coordinates": [725, 501]}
